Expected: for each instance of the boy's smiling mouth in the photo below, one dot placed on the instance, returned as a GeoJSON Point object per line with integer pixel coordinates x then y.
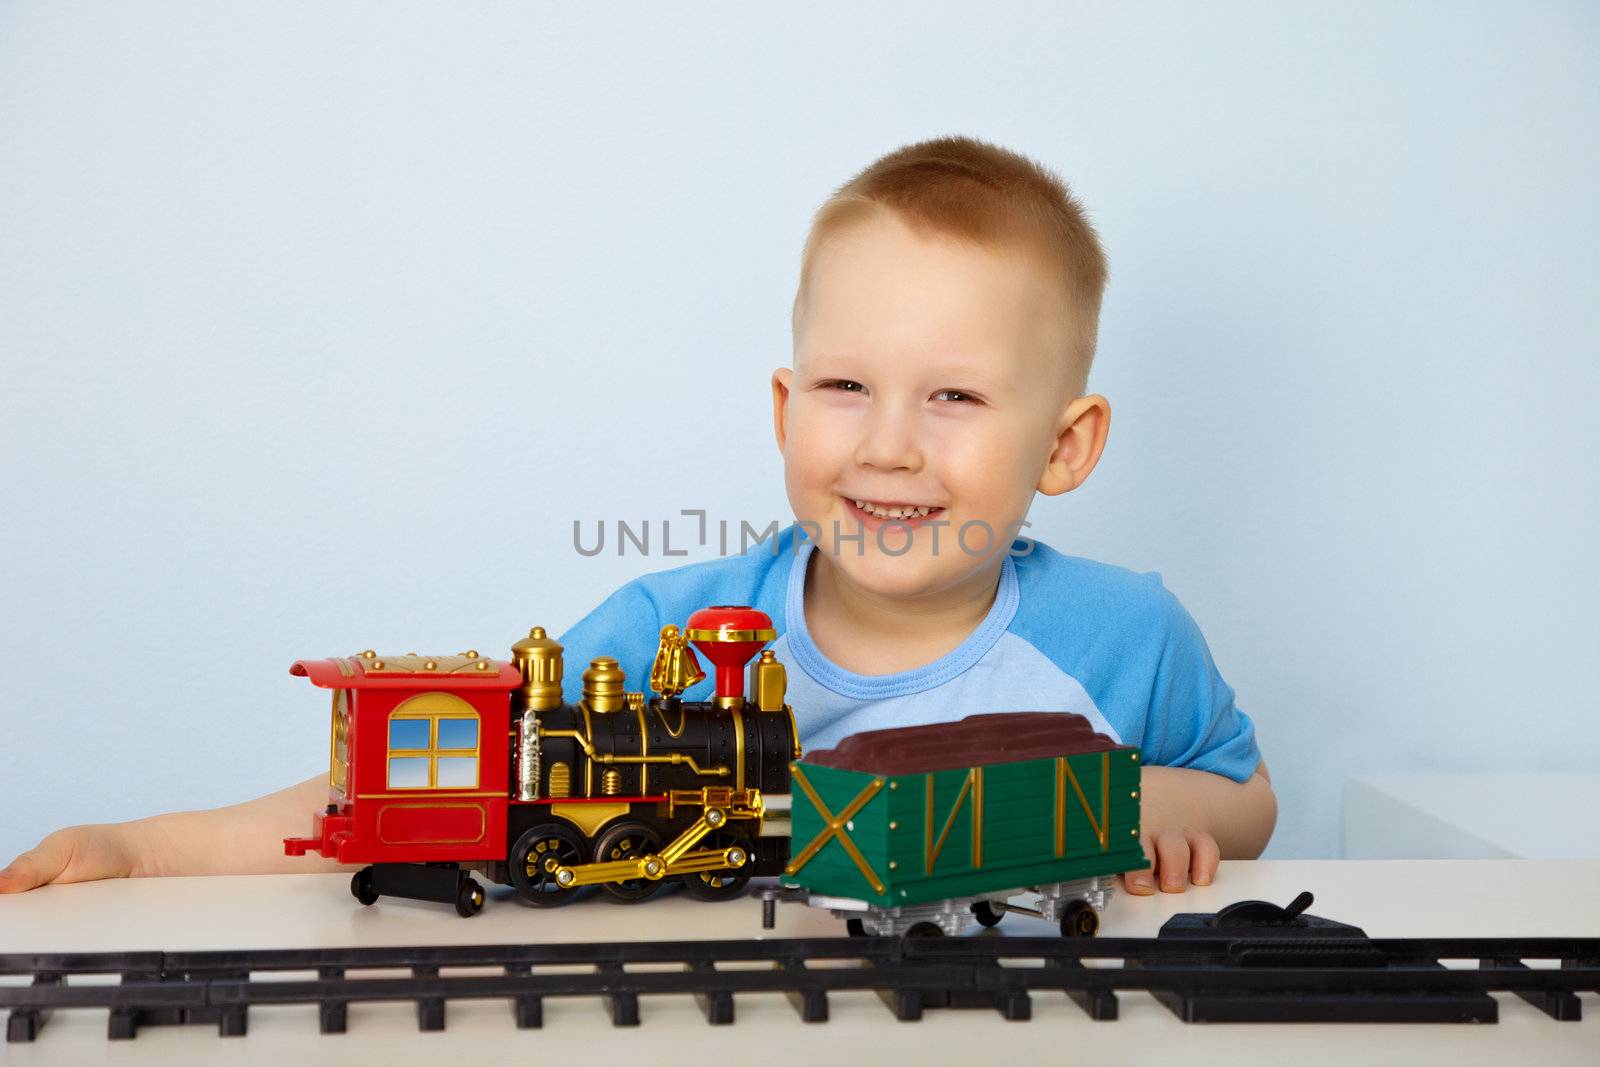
{"type": "Point", "coordinates": [875, 512]}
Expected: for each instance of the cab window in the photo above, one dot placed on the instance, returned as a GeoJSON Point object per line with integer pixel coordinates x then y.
{"type": "Point", "coordinates": [433, 744]}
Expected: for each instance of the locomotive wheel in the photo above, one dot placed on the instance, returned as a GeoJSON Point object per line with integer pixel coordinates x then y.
{"type": "Point", "coordinates": [728, 882]}
{"type": "Point", "coordinates": [469, 896]}
{"type": "Point", "coordinates": [1080, 920]}
{"type": "Point", "coordinates": [924, 929]}
{"type": "Point", "coordinates": [987, 914]}
{"type": "Point", "coordinates": [361, 886]}
{"type": "Point", "coordinates": [535, 857]}
{"type": "Point", "coordinates": [626, 840]}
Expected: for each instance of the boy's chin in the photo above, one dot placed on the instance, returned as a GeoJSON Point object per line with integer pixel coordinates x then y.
{"type": "Point", "coordinates": [916, 573]}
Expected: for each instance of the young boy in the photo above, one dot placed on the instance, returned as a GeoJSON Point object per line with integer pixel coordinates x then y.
{"type": "Point", "coordinates": [944, 327]}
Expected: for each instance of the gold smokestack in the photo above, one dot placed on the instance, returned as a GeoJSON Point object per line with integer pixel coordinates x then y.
{"type": "Point", "coordinates": [538, 657]}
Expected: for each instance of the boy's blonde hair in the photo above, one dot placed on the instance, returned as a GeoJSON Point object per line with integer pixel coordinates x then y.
{"type": "Point", "coordinates": [979, 192]}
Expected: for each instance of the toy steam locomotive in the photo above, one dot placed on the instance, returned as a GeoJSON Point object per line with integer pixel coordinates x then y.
{"type": "Point", "coordinates": [443, 765]}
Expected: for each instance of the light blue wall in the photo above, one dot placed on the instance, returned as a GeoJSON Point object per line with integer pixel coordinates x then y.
{"type": "Point", "coordinates": [320, 324]}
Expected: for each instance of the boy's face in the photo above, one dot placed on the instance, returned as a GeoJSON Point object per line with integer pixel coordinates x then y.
{"type": "Point", "coordinates": [928, 373]}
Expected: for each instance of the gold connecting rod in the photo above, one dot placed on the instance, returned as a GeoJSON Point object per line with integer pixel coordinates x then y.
{"type": "Point", "coordinates": [740, 808]}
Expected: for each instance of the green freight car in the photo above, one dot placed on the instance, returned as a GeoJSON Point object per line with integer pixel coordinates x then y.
{"type": "Point", "coordinates": [922, 829]}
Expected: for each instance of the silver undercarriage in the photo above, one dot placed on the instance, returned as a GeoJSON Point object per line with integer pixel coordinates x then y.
{"type": "Point", "coordinates": [953, 916]}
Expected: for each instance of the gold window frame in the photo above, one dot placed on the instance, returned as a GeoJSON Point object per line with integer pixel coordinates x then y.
{"type": "Point", "coordinates": [434, 708]}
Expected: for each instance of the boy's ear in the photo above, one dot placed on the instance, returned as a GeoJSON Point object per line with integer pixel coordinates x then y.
{"type": "Point", "coordinates": [1080, 438]}
{"type": "Point", "coordinates": [780, 404]}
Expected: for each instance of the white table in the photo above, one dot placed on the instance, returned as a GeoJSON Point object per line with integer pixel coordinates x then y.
{"type": "Point", "coordinates": [1388, 899]}
{"type": "Point", "coordinates": [1472, 816]}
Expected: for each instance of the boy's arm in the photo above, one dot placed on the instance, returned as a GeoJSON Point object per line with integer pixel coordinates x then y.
{"type": "Point", "coordinates": [1192, 819]}
{"type": "Point", "coordinates": [248, 838]}
{"type": "Point", "coordinates": [239, 839]}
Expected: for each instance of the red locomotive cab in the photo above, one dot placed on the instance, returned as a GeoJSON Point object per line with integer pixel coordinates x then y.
{"type": "Point", "coordinates": [419, 760]}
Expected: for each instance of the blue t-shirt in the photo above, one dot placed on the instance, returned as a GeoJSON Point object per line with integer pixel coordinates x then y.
{"type": "Point", "coordinates": [1064, 634]}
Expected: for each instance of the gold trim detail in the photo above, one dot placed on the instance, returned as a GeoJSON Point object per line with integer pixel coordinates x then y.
{"type": "Point", "coordinates": [344, 666]}
{"type": "Point", "coordinates": [589, 817]}
{"type": "Point", "coordinates": [738, 747]}
{"type": "Point", "coordinates": [1061, 806]}
{"type": "Point", "coordinates": [835, 828]}
{"type": "Point", "coordinates": [747, 804]}
{"type": "Point", "coordinates": [339, 743]}
{"type": "Point", "coordinates": [683, 717]}
{"type": "Point", "coordinates": [1100, 827]}
{"type": "Point", "coordinates": [731, 636]}
{"type": "Point", "coordinates": [973, 785]}
{"type": "Point", "coordinates": [794, 734]}
{"type": "Point", "coordinates": [644, 750]}
{"type": "Point", "coordinates": [411, 663]}
{"type": "Point", "coordinates": [560, 780]}
{"type": "Point", "coordinates": [1105, 799]}
{"type": "Point", "coordinates": [977, 817]}
{"type": "Point", "coordinates": [589, 750]}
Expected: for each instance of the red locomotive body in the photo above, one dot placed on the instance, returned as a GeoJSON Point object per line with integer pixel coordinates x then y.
{"type": "Point", "coordinates": [420, 761]}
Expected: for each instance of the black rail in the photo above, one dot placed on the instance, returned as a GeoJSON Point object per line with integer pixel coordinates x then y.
{"type": "Point", "coordinates": [1202, 978]}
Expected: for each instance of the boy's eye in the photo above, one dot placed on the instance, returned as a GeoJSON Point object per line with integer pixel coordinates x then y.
{"type": "Point", "coordinates": [844, 384]}
{"type": "Point", "coordinates": [956, 395]}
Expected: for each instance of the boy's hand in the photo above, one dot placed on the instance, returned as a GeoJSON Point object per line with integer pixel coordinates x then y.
{"type": "Point", "coordinates": [76, 854]}
{"type": "Point", "coordinates": [1183, 813]}
{"type": "Point", "coordinates": [1177, 857]}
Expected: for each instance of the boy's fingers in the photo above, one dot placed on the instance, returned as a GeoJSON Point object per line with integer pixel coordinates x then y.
{"type": "Point", "coordinates": [35, 867]}
{"type": "Point", "coordinates": [1204, 855]}
{"type": "Point", "coordinates": [1141, 883]}
{"type": "Point", "coordinates": [76, 854]}
{"type": "Point", "coordinates": [1172, 861]}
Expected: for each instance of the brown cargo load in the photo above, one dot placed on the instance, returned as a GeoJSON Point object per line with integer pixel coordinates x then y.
{"type": "Point", "coordinates": [998, 737]}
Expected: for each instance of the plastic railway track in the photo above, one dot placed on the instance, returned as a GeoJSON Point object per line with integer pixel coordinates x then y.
{"type": "Point", "coordinates": [1202, 978]}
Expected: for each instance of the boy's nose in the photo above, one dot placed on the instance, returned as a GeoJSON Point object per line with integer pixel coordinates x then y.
{"type": "Point", "coordinates": [889, 443]}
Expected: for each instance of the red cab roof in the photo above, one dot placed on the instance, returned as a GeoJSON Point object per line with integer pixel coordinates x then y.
{"type": "Point", "coordinates": [368, 670]}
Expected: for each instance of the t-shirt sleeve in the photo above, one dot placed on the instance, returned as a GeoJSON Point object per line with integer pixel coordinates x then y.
{"type": "Point", "coordinates": [625, 626]}
{"type": "Point", "coordinates": [1193, 720]}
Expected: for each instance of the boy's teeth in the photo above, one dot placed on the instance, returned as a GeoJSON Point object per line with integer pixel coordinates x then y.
{"type": "Point", "coordinates": [892, 513]}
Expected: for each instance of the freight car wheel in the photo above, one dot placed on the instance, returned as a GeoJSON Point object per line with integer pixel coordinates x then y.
{"type": "Point", "coordinates": [628, 840]}
{"type": "Point", "coordinates": [924, 929]}
{"type": "Point", "coordinates": [361, 886]}
{"type": "Point", "coordinates": [728, 882]}
{"type": "Point", "coordinates": [535, 857]}
{"type": "Point", "coordinates": [1080, 920]}
{"type": "Point", "coordinates": [987, 914]}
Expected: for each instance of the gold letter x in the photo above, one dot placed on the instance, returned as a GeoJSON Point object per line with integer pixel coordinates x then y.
{"type": "Point", "coordinates": [835, 828]}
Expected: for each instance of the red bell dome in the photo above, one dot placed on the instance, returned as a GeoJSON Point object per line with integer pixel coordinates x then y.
{"type": "Point", "coordinates": [729, 635]}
